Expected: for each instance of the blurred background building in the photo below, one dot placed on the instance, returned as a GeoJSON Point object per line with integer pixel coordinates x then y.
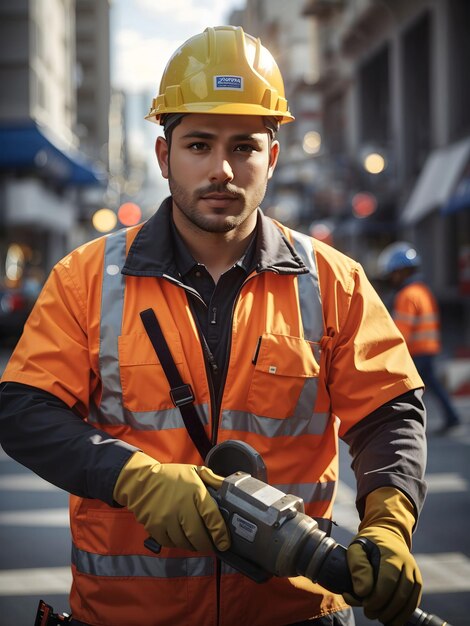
{"type": "Point", "coordinates": [381, 96]}
{"type": "Point", "coordinates": [380, 149]}
{"type": "Point", "coordinates": [43, 168]}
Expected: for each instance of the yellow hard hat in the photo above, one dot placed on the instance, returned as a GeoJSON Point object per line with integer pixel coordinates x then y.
{"type": "Point", "coordinates": [224, 71]}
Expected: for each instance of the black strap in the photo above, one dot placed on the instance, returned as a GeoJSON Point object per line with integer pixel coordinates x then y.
{"type": "Point", "coordinates": [181, 394]}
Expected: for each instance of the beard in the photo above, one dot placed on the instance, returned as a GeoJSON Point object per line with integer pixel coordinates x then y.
{"type": "Point", "coordinates": [218, 221]}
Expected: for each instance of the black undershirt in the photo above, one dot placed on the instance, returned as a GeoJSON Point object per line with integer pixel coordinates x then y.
{"type": "Point", "coordinates": [214, 314]}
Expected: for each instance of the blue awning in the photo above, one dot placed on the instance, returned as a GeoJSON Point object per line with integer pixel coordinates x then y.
{"type": "Point", "coordinates": [437, 182]}
{"type": "Point", "coordinates": [27, 147]}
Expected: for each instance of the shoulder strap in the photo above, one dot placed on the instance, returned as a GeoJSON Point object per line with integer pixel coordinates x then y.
{"type": "Point", "coordinates": [181, 393]}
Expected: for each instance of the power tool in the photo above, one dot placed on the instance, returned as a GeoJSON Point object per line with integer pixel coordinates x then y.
{"type": "Point", "coordinates": [270, 533]}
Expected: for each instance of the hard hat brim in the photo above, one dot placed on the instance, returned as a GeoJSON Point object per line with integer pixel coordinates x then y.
{"type": "Point", "coordinates": [225, 108]}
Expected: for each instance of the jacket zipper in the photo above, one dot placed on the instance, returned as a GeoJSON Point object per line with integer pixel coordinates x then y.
{"type": "Point", "coordinates": [215, 421]}
{"type": "Point", "coordinates": [209, 360]}
{"type": "Point", "coordinates": [216, 413]}
{"type": "Point", "coordinates": [217, 402]}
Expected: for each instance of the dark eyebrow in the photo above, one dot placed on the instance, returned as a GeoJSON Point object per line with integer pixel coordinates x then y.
{"type": "Point", "coordinates": [199, 134]}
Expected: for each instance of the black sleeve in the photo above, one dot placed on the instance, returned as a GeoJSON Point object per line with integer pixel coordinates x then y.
{"type": "Point", "coordinates": [41, 432]}
{"type": "Point", "coordinates": [388, 448]}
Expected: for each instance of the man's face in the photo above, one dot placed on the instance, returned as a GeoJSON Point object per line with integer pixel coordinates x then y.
{"type": "Point", "coordinates": [397, 277]}
{"type": "Point", "coordinates": [218, 168]}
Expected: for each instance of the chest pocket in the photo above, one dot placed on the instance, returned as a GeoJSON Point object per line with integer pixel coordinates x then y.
{"type": "Point", "coordinates": [143, 381]}
{"type": "Point", "coordinates": [284, 367]}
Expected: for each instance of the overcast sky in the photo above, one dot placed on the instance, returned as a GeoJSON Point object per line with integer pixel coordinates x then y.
{"type": "Point", "coordinates": [146, 32]}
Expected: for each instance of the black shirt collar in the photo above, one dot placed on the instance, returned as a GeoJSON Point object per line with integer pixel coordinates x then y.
{"type": "Point", "coordinates": [185, 261]}
{"type": "Point", "coordinates": [152, 252]}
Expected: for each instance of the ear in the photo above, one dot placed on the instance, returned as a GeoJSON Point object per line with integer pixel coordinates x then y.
{"type": "Point", "coordinates": [273, 156]}
{"type": "Point", "coordinates": [162, 152]}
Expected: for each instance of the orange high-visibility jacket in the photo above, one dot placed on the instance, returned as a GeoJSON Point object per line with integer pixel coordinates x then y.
{"type": "Point", "coordinates": [416, 314]}
{"type": "Point", "coordinates": [327, 354]}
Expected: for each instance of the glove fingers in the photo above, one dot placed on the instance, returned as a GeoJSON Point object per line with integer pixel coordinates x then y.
{"type": "Point", "coordinates": [213, 522]}
{"type": "Point", "coordinates": [362, 573]}
{"type": "Point", "coordinates": [209, 478]}
{"type": "Point", "coordinates": [172, 502]}
{"type": "Point", "coordinates": [209, 510]}
{"type": "Point", "coordinates": [405, 594]}
{"type": "Point", "coordinates": [193, 537]}
{"type": "Point", "coordinates": [190, 537]}
{"type": "Point", "coordinates": [386, 591]}
{"type": "Point", "coordinates": [409, 606]}
{"type": "Point", "coordinates": [175, 538]}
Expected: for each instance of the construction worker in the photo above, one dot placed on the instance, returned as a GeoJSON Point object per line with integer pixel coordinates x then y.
{"type": "Point", "coordinates": [416, 313]}
{"type": "Point", "coordinates": [279, 340]}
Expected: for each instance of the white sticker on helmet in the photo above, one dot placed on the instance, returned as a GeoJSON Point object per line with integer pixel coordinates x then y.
{"type": "Point", "coordinates": [228, 82]}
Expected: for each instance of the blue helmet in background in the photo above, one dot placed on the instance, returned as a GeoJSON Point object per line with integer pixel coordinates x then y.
{"type": "Point", "coordinates": [397, 256]}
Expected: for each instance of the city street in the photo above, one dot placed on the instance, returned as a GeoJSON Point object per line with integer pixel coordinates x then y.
{"type": "Point", "coordinates": [35, 541]}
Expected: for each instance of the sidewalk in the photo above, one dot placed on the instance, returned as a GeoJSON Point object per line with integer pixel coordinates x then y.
{"type": "Point", "coordinates": [435, 420]}
{"type": "Point", "coordinates": [455, 373]}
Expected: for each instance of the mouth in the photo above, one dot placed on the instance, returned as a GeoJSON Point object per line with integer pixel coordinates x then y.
{"type": "Point", "coordinates": [219, 196]}
{"type": "Point", "coordinates": [219, 200]}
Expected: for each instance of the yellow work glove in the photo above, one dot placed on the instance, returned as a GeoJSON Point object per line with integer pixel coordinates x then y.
{"type": "Point", "coordinates": [391, 590]}
{"type": "Point", "coordinates": [172, 502]}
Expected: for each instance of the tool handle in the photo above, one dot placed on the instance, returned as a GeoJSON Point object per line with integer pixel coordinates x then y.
{"type": "Point", "coordinates": [334, 575]}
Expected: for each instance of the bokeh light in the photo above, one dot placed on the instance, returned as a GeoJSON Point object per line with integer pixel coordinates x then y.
{"type": "Point", "coordinates": [104, 220]}
{"type": "Point", "coordinates": [129, 213]}
{"type": "Point", "coordinates": [363, 204]}
{"type": "Point", "coordinates": [312, 142]}
{"type": "Point", "coordinates": [374, 163]}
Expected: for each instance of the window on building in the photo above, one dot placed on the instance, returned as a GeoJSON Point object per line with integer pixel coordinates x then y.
{"type": "Point", "coordinates": [374, 103]}
{"type": "Point", "coordinates": [333, 123]}
{"type": "Point", "coordinates": [459, 62]}
{"type": "Point", "coordinates": [416, 93]}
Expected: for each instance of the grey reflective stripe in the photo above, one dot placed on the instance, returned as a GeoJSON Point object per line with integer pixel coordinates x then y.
{"type": "Point", "coordinates": [312, 321]}
{"type": "Point", "coordinates": [427, 318]}
{"type": "Point", "coordinates": [112, 305]}
{"type": "Point", "coordinates": [227, 570]}
{"type": "Point", "coordinates": [111, 409]}
{"type": "Point", "coordinates": [243, 421]}
{"type": "Point", "coordinates": [424, 335]}
{"type": "Point", "coordinates": [310, 492]}
{"type": "Point", "coordinates": [166, 419]}
{"type": "Point", "coordinates": [304, 420]}
{"type": "Point", "coordinates": [137, 565]}
{"type": "Point", "coordinates": [307, 398]}
{"type": "Point", "coordinates": [309, 290]}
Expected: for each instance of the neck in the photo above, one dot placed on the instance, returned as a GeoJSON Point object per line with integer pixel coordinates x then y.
{"type": "Point", "coordinates": [218, 252]}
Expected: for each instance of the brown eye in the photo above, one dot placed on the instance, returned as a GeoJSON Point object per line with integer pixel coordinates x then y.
{"type": "Point", "coordinates": [198, 146]}
{"type": "Point", "coordinates": [245, 148]}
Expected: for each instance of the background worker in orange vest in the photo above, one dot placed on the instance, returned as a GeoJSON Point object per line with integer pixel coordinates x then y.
{"type": "Point", "coordinates": [280, 341]}
{"type": "Point", "coordinates": [416, 313]}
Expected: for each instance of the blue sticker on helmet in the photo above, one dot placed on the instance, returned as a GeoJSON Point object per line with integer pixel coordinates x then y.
{"type": "Point", "coordinates": [228, 82]}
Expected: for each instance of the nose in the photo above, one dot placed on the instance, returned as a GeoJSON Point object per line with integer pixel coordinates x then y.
{"type": "Point", "coordinates": [221, 170]}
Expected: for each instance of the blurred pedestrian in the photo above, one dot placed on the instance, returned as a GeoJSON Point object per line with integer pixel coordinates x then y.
{"type": "Point", "coordinates": [416, 313]}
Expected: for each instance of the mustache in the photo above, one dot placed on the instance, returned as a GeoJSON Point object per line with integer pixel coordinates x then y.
{"type": "Point", "coordinates": [219, 188]}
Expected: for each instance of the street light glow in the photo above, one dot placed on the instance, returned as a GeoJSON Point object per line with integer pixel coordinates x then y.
{"type": "Point", "coordinates": [312, 142]}
{"type": "Point", "coordinates": [374, 163]}
{"type": "Point", "coordinates": [104, 220]}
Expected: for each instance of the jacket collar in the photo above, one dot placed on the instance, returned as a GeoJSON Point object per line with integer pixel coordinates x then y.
{"type": "Point", "coordinates": [151, 252]}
